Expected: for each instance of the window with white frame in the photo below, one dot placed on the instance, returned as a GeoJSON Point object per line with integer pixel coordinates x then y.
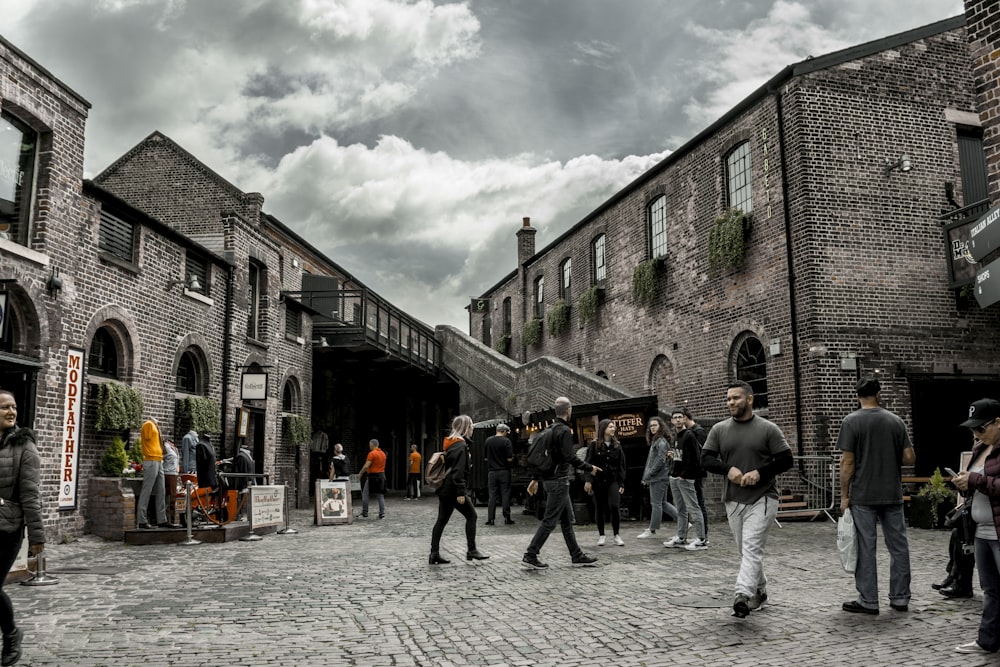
{"type": "Point", "coordinates": [565, 279]}
{"type": "Point", "coordinates": [597, 259]}
{"type": "Point", "coordinates": [539, 296]}
{"type": "Point", "coordinates": [658, 227]}
{"type": "Point", "coordinates": [18, 159]}
{"type": "Point", "coordinates": [738, 178]}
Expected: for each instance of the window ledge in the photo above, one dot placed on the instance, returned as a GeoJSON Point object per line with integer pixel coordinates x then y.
{"type": "Point", "coordinates": [108, 258]}
{"type": "Point", "coordinates": [198, 296]}
{"type": "Point", "coordinates": [257, 343]}
{"type": "Point", "coordinates": [295, 339]}
{"type": "Point", "coordinates": [10, 247]}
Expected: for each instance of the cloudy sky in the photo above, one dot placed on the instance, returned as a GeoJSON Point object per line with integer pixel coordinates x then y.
{"type": "Point", "coordinates": [406, 139]}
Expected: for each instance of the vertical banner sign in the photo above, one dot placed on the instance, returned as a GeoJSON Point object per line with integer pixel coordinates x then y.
{"type": "Point", "coordinates": [72, 425]}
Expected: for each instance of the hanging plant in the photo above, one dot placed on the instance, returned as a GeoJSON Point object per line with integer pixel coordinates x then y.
{"type": "Point", "coordinates": [119, 407]}
{"type": "Point", "coordinates": [531, 332]}
{"type": "Point", "coordinates": [298, 429]}
{"type": "Point", "coordinates": [502, 344]}
{"type": "Point", "coordinates": [644, 282]}
{"type": "Point", "coordinates": [558, 317]}
{"type": "Point", "coordinates": [589, 301]}
{"type": "Point", "coordinates": [727, 241]}
{"type": "Point", "coordinates": [201, 413]}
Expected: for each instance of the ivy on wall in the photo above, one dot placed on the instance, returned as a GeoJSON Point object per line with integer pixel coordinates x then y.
{"type": "Point", "coordinates": [298, 429]}
{"type": "Point", "coordinates": [531, 332]}
{"type": "Point", "coordinates": [589, 300]}
{"type": "Point", "coordinates": [644, 282]}
{"type": "Point", "coordinates": [119, 407]}
{"type": "Point", "coordinates": [558, 318]}
{"type": "Point", "coordinates": [200, 413]}
{"type": "Point", "coordinates": [727, 240]}
{"type": "Point", "coordinates": [502, 344]}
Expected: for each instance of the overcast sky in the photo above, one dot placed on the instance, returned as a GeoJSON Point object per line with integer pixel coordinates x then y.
{"type": "Point", "coordinates": [406, 139]}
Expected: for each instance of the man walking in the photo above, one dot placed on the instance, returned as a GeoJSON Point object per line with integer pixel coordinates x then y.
{"type": "Point", "coordinates": [875, 446]}
{"type": "Point", "coordinates": [499, 458]}
{"type": "Point", "coordinates": [750, 452]}
{"type": "Point", "coordinates": [556, 485]}
{"type": "Point", "coordinates": [701, 435]}
{"type": "Point", "coordinates": [375, 483]}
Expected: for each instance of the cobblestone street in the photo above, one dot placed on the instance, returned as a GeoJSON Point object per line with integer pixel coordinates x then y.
{"type": "Point", "coordinates": [364, 594]}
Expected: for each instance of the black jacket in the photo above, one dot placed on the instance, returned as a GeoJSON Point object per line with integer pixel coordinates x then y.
{"type": "Point", "coordinates": [563, 449]}
{"type": "Point", "coordinates": [499, 452]}
{"type": "Point", "coordinates": [20, 477]}
{"type": "Point", "coordinates": [458, 465]}
{"type": "Point", "coordinates": [688, 464]}
{"type": "Point", "coordinates": [611, 461]}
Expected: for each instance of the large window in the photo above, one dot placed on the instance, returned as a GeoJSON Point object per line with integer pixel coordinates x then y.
{"type": "Point", "coordinates": [506, 317]}
{"type": "Point", "coordinates": [539, 296]}
{"type": "Point", "coordinates": [738, 178]}
{"type": "Point", "coordinates": [597, 259]}
{"type": "Point", "coordinates": [658, 227]}
{"type": "Point", "coordinates": [750, 366]}
{"type": "Point", "coordinates": [103, 357]}
{"type": "Point", "coordinates": [253, 301]}
{"type": "Point", "coordinates": [117, 237]}
{"type": "Point", "coordinates": [18, 156]}
{"type": "Point", "coordinates": [565, 279]}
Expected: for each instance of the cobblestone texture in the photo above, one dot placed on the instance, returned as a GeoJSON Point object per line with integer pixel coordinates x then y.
{"type": "Point", "coordinates": [364, 595]}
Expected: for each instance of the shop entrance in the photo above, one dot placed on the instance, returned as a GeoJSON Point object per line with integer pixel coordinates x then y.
{"type": "Point", "coordinates": [20, 378]}
{"type": "Point", "coordinates": [939, 405]}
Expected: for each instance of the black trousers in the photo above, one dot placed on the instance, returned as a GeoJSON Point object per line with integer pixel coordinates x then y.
{"type": "Point", "coordinates": [447, 504]}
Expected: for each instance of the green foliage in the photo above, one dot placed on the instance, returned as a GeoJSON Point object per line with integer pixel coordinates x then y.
{"type": "Point", "coordinates": [298, 429]}
{"type": "Point", "coordinates": [727, 241]}
{"type": "Point", "coordinates": [589, 301]}
{"type": "Point", "coordinates": [936, 491]}
{"type": "Point", "coordinates": [202, 414]}
{"type": "Point", "coordinates": [502, 344]}
{"type": "Point", "coordinates": [558, 317]}
{"type": "Point", "coordinates": [644, 282]}
{"type": "Point", "coordinates": [119, 407]}
{"type": "Point", "coordinates": [531, 332]}
{"type": "Point", "coordinates": [115, 459]}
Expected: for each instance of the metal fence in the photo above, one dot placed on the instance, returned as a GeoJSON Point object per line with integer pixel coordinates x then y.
{"type": "Point", "coordinates": [814, 486]}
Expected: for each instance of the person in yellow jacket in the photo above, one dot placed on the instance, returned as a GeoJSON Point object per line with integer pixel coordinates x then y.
{"type": "Point", "coordinates": [152, 475]}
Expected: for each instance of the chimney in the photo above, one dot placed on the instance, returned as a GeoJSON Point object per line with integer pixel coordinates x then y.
{"type": "Point", "coordinates": [525, 242]}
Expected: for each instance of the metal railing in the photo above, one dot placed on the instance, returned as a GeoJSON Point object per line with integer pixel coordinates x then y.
{"type": "Point", "coordinates": [814, 479]}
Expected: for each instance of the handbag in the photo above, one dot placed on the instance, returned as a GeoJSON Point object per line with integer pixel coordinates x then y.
{"type": "Point", "coordinates": [960, 517]}
{"type": "Point", "coordinates": [846, 545]}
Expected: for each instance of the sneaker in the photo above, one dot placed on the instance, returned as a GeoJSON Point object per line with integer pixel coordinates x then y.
{"type": "Point", "coordinates": [619, 541]}
{"type": "Point", "coordinates": [676, 543]}
{"type": "Point", "coordinates": [758, 600]}
{"type": "Point", "coordinates": [532, 563]}
{"type": "Point", "coordinates": [646, 534]}
{"type": "Point", "coordinates": [741, 606]}
{"type": "Point", "coordinates": [12, 647]}
{"type": "Point", "coordinates": [971, 647]}
{"type": "Point", "coordinates": [697, 545]}
{"type": "Point", "coordinates": [600, 541]}
{"type": "Point", "coordinates": [584, 560]}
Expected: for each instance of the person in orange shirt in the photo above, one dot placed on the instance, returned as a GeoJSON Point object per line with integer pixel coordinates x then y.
{"type": "Point", "coordinates": [413, 478]}
{"type": "Point", "coordinates": [375, 483]}
{"type": "Point", "coordinates": [152, 474]}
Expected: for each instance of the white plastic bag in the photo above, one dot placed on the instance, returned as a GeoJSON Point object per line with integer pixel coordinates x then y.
{"type": "Point", "coordinates": [846, 545]}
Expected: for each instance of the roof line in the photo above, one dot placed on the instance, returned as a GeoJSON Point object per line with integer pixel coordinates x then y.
{"type": "Point", "coordinates": [21, 54]}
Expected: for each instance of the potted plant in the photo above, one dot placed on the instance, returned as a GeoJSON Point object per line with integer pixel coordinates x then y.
{"type": "Point", "coordinates": [531, 332]}
{"type": "Point", "coordinates": [558, 317]}
{"type": "Point", "coordinates": [934, 500]}
{"type": "Point", "coordinates": [727, 240]}
{"type": "Point", "coordinates": [114, 463]}
{"type": "Point", "coordinates": [502, 344]}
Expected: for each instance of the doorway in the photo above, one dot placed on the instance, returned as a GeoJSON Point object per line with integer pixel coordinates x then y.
{"type": "Point", "coordinates": [939, 405]}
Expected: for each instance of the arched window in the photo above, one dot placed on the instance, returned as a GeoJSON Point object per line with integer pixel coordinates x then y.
{"type": "Point", "coordinates": [662, 382]}
{"type": "Point", "coordinates": [565, 279]}
{"type": "Point", "coordinates": [739, 181]}
{"type": "Point", "coordinates": [103, 357]}
{"type": "Point", "coordinates": [290, 397]}
{"type": "Point", "coordinates": [749, 364]}
{"type": "Point", "coordinates": [189, 374]}
{"type": "Point", "coordinates": [597, 260]}
{"type": "Point", "coordinates": [539, 296]}
{"type": "Point", "coordinates": [658, 227]}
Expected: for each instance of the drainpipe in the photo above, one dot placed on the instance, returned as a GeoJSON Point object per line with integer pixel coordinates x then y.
{"type": "Point", "coordinates": [789, 261]}
{"type": "Point", "coordinates": [227, 353]}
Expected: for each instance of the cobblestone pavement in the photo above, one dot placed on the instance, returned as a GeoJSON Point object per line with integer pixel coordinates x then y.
{"type": "Point", "coordinates": [364, 594]}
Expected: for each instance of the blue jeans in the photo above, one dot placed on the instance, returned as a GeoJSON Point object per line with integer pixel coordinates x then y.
{"type": "Point", "coordinates": [988, 565]}
{"type": "Point", "coordinates": [499, 484]}
{"type": "Point", "coordinates": [894, 534]}
{"type": "Point", "coordinates": [750, 525]}
{"type": "Point", "coordinates": [660, 506]}
{"type": "Point", "coordinates": [687, 507]}
{"type": "Point", "coordinates": [380, 496]}
{"type": "Point", "coordinates": [558, 509]}
{"type": "Point", "coordinates": [699, 489]}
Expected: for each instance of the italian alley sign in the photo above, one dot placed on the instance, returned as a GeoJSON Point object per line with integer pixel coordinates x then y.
{"type": "Point", "coordinates": [72, 424]}
{"type": "Point", "coordinates": [984, 238]}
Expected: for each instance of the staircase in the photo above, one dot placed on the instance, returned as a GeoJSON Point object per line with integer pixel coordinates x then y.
{"type": "Point", "coordinates": [793, 507]}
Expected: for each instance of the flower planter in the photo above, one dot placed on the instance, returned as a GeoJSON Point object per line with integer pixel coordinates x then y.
{"type": "Point", "coordinates": [111, 506]}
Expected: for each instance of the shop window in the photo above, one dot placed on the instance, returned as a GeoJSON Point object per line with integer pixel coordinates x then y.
{"type": "Point", "coordinates": [102, 359]}
{"type": "Point", "coordinates": [750, 366]}
{"type": "Point", "coordinates": [658, 227]}
{"type": "Point", "coordinates": [600, 270]}
{"type": "Point", "coordinates": [738, 178]}
{"type": "Point", "coordinates": [18, 159]}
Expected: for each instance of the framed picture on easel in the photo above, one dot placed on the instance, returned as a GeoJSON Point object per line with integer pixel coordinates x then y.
{"type": "Point", "coordinates": [242, 423]}
{"type": "Point", "coordinates": [333, 502]}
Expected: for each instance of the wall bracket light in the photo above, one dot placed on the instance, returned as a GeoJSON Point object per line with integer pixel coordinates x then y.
{"type": "Point", "coordinates": [190, 283]}
{"type": "Point", "coordinates": [903, 164]}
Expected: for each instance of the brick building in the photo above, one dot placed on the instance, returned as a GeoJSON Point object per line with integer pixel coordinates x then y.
{"type": "Point", "coordinates": [854, 176]}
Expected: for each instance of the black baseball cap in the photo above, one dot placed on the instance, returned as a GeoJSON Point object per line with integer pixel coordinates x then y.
{"type": "Point", "coordinates": [982, 412]}
{"type": "Point", "coordinates": [868, 386]}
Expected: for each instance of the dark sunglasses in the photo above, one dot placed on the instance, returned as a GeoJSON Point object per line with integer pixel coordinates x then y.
{"type": "Point", "coordinates": [981, 428]}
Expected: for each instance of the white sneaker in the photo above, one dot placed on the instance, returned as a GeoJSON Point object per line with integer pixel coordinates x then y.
{"type": "Point", "coordinates": [600, 541]}
{"type": "Point", "coordinates": [697, 545]}
{"type": "Point", "coordinates": [971, 647]}
{"type": "Point", "coordinates": [675, 543]}
{"type": "Point", "coordinates": [619, 541]}
{"type": "Point", "coordinates": [646, 534]}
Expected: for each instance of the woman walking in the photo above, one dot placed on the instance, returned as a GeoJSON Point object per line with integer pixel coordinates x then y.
{"type": "Point", "coordinates": [452, 493]}
{"type": "Point", "coordinates": [607, 486]}
{"type": "Point", "coordinates": [19, 480]}
{"type": "Point", "coordinates": [657, 475]}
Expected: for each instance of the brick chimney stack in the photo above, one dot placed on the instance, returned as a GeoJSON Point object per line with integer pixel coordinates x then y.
{"type": "Point", "coordinates": [525, 242]}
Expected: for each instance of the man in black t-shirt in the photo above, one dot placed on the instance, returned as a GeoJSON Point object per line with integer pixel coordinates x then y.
{"type": "Point", "coordinates": [499, 458]}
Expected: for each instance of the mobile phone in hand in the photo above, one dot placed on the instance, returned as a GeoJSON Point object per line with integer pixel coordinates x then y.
{"type": "Point", "coordinates": [950, 472]}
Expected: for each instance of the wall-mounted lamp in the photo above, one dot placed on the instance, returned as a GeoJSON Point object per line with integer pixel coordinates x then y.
{"type": "Point", "coordinates": [190, 283]}
{"type": "Point", "coordinates": [903, 164]}
{"type": "Point", "coordinates": [322, 342]}
{"type": "Point", "coordinates": [54, 284]}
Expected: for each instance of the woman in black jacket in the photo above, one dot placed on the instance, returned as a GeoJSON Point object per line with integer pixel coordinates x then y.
{"type": "Point", "coordinates": [452, 493]}
{"type": "Point", "coordinates": [607, 486]}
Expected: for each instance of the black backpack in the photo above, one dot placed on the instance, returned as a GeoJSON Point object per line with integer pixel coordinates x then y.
{"type": "Point", "coordinates": [540, 453]}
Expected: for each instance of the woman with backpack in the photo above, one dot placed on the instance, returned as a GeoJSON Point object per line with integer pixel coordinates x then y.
{"type": "Point", "coordinates": [452, 492]}
{"type": "Point", "coordinates": [607, 486]}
